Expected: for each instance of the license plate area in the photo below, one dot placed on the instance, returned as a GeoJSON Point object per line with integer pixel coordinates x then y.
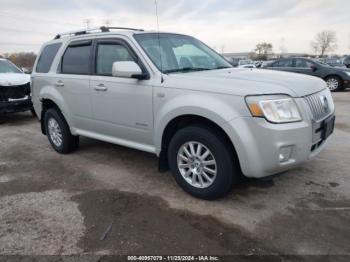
{"type": "Point", "coordinates": [322, 130]}
{"type": "Point", "coordinates": [327, 127]}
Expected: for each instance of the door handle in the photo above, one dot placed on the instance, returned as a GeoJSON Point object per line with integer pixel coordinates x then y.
{"type": "Point", "coordinates": [101, 87]}
{"type": "Point", "coordinates": [59, 83]}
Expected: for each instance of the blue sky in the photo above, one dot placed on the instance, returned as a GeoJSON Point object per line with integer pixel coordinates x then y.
{"type": "Point", "coordinates": [228, 25]}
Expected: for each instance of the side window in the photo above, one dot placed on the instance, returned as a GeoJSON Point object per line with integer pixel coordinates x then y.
{"type": "Point", "coordinates": [107, 54]}
{"type": "Point", "coordinates": [300, 63]}
{"type": "Point", "coordinates": [76, 59]}
{"type": "Point", "coordinates": [46, 58]}
{"type": "Point", "coordinates": [284, 63]}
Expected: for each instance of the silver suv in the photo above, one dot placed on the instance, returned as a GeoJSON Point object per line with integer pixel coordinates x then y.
{"type": "Point", "coordinates": [173, 96]}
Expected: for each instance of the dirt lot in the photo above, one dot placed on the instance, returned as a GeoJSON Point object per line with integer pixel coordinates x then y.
{"type": "Point", "coordinates": [54, 204]}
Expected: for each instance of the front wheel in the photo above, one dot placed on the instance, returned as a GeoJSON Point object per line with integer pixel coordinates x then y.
{"type": "Point", "coordinates": [58, 132]}
{"type": "Point", "coordinates": [334, 83]}
{"type": "Point", "coordinates": [202, 162]}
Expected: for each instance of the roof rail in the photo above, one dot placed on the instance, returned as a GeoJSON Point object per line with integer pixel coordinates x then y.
{"type": "Point", "coordinates": [101, 29]}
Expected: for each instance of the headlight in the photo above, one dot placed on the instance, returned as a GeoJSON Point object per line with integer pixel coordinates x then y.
{"type": "Point", "coordinates": [276, 109]}
{"type": "Point", "coordinates": [346, 72]}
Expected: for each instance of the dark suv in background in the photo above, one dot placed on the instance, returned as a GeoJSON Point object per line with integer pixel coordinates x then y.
{"type": "Point", "coordinates": [347, 61]}
{"type": "Point", "coordinates": [337, 78]}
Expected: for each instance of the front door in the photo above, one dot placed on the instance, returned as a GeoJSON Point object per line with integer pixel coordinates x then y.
{"type": "Point", "coordinates": [122, 107]}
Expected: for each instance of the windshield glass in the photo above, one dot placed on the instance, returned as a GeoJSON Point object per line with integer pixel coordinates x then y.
{"type": "Point", "coordinates": [7, 67]}
{"type": "Point", "coordinates": [173, 53]}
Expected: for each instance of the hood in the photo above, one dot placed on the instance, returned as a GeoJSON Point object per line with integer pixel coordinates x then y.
{"type": "Point", "coordinates": [241, 81]}
{"type": "Point", "coordinates": [12, 79]}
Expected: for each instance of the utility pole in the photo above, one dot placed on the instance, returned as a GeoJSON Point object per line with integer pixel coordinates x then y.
{"type": "Point", "coordinates": [108, 22]}
{"type": "Point", "coordinates": [87, 22]}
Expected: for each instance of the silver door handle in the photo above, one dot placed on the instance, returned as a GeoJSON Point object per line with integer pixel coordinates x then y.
{"type": "Point", "coordinates": [101, 87]}
{"type": "Point", "coordinates": [59, 83]}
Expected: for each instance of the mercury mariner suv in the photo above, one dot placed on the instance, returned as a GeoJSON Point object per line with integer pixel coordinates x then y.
{"type": "Point", "coordinates": [171, 95]}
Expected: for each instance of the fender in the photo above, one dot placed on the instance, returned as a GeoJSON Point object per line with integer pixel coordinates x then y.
{"type": "Point", "coordinates": [216, 108]}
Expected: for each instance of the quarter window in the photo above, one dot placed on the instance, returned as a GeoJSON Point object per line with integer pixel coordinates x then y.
{"type": "Point", "coordinates": [76, 59]}
{"type": "Point", "coordinates": [107, 54]}
{"type": "Point", "coordinates": [46, 58]}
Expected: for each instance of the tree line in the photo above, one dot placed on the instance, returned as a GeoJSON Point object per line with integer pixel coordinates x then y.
{"type": "Point", "coordinates": [22, 59]}
{"type": "Point", "coordinates": [324, 42]}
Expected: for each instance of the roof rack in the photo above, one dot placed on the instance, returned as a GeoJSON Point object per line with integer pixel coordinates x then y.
{"type": "Point", "coordinates": [101, 29]}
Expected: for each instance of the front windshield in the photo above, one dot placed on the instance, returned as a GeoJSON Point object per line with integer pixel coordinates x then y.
{"type": "Point", "coordinates": [173, 53]}
{"type": "Point", "coordinates": [7, 67]}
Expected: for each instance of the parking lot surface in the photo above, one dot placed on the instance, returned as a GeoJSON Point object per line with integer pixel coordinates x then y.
{"type": "Point", "coordinates": [106, 199]}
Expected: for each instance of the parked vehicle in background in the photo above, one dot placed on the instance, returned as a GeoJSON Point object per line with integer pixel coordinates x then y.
{"type": "Point", "coordinates": [247, 63]}
{"type": "Point", "coordinates": [208, 122]}
{"type": "Point", "coordinates": [337, 79]}
{"type": "Point", "coordinates": [15, 95]}
{"type": "Point", "coordinates": [334, 62]}
{"type": "Point", "coordinates": [347, 61]}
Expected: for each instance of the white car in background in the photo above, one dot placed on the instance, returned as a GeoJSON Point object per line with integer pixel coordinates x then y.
{"type": "Point", "coordinates": [15, 94]}
{"type": "Point", "coordinates": [246, 64]}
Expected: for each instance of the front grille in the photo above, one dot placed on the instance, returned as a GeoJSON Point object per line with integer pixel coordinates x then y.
{"type": "Point", "coordinates": [14, 92]}
{"type": "Point", "coordinates": [318, 108]}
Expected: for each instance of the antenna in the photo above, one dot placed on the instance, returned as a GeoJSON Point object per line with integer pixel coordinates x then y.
{"type": "Point", "coordinates": [160, 51]}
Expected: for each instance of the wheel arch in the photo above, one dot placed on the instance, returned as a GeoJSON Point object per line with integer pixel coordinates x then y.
{"type": "Point", "coordinates": [49, 98]}
{"type": "Point", "coordinates": [182, 121]}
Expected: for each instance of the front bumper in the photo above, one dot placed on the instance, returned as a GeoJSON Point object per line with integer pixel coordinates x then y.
{"type": "Point", "coordinates": [19, 105]}
{"type": "Point", "coordinates": [259, 143]}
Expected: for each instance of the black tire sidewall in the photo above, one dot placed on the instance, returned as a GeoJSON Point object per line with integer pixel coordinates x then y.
{"type": "Point", "coordinates": [225, 164]}
{"type": "Point", "coordinates": [55, 114]}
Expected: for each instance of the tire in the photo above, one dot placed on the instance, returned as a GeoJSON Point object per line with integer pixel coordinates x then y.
{"type": "Point", "coordinates": [226, 165]}
{"type": "Point", "coordinates": [58, 132]}
{"type": "Point", "coordinates": [32, 111]}
{"type": "Point", "coordinates": [334, 83]}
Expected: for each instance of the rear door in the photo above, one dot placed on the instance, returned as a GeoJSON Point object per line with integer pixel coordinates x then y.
{"type": "Point", "coordinates": [73, 82]}
{"type": "Point", "coordinates": [283, 65]}
{"type": "Point", "coordinates": [122, 107]}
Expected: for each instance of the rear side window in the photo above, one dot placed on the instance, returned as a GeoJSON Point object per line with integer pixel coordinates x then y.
{"type": "Point", "coordinates": [76, 59]}
{"type": "Point", "coordinates": [46, 58]}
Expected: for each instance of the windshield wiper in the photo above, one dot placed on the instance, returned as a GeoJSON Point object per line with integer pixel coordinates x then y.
{"type": "Point", "coordinates": [186, 69]}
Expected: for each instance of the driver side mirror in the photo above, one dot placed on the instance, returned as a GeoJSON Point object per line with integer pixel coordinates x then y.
{"type": "Point", "coordinates": [128, 69]}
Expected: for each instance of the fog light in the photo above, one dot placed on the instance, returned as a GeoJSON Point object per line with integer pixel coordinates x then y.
{"type": "Point", "coordinates": [285, 153]}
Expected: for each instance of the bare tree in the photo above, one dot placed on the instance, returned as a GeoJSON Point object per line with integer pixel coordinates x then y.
{"type": "Point", "coordinates": [325, 41]}
{"type": "Point", "coordinates": [262, 50]}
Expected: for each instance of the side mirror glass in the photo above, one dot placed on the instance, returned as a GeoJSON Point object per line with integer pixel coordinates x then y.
{"type": "Point", "coordinates": [127, 69]}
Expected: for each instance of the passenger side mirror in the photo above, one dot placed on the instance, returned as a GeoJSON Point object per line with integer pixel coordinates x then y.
{"type": "Point", "coordinates": [313, 68]}
{"type": "Point", "coordinates": [127, 69]}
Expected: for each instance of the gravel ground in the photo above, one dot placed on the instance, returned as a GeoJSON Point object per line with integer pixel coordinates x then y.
{"type": "Point", "coordinates": [109, 200]}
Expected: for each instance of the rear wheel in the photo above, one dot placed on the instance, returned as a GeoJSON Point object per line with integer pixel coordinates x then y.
{"type": "Point", "coordinates": [32, 111]}
{"type": "Point", "coordinates": [202, 162]}
{"type": "Point", "coordinates": [58, 132]}
{"type": "Point", "coordinates": [334, 83]}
